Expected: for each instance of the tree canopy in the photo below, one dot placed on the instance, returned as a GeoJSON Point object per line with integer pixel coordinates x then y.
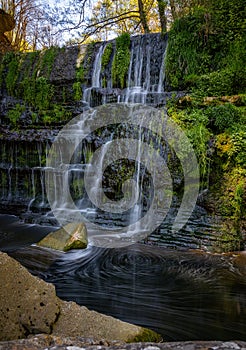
{"type": "Point", "coordinates": [44, 24]}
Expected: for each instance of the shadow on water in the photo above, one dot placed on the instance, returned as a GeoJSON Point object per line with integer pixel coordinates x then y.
{"type": "Point", "coordinates": [184, 295]}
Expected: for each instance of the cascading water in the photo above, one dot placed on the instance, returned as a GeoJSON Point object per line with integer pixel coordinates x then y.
{"type": "Point", "coordinates": [139, 83]}
{"type": "Point", "coordinates": [140, 283]}
{"type": "Point", "coordinates": [95, 80]}
{"type": "Point", "coordinates": [145, 79]}
{"type": "Point", "coordinates": [22, 185]}
{"type": "Point", "coordinates": [23, 165]}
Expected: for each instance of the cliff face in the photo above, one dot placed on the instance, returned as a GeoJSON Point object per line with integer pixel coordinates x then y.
{"type": "Point", "coordinates": [49, 87]}
{"type": "Point", "coordinates": [42, 91]}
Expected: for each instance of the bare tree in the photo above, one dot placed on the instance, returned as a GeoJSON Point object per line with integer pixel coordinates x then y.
{"type": "Point", "coordinates": [30, 23]}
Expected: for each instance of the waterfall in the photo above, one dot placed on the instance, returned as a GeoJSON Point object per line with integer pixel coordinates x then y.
{"type": "Point", "coordinates": [95, 80]}
{"type": "Point", "coordinates": [162, 73]}
{"type": "Point", "coordinates": [145, 79]}
{"type": "Point", "coordinates": [97, 68]}
{"type": "Point", "coordinates": [22, 183]}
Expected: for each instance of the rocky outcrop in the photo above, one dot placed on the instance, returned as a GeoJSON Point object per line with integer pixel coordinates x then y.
{"type": "Point", "coordinates": [7, 23]}
{"type": "Point", "coordinates": [30, 306]}
{"type": "Point", "coordinates": [49, 342]}
{"type": "Point", "coordinates": [71, 236]}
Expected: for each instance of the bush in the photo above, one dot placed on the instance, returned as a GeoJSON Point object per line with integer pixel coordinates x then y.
{"type": "Point", "coordinates": [215, 84]}
{"type": "Point", "coordinates": [225, 116]}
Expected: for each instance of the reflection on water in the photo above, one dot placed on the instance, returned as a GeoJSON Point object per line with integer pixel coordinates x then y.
{"type": "Point", "coordinates": [182, 295]}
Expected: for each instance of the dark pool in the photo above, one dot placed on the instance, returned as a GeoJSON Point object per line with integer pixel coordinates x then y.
{"type": "Point", "coordinates": [184, 295]}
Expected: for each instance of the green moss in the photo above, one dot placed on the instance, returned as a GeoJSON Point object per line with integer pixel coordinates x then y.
{"type": "Point", "coordinates": [107, 55]}
{"type": "Point", "coordinates": [43, 93]}
{"type": "Point", "coordinates": [77, 244]}
{"type": "Point", "coordinates": [82, 72]}
{"type": "Point", "coordinates": [48, 59]}
{"type": "Point", "coordinates": [146, 335]}
{"type": "Point", "coordinates": [12, 75]}
{"type": "Point", "coordinates": [121, 60]}
{"type": "Point", "coordinates": [77, 91]}
{"type": "Point", "coordinates": [15, 114]}
{"type": "Point", "coordinates": [27, 77]}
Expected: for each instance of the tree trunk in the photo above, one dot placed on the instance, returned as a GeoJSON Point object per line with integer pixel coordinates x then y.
{"type": "Point", "coordinates": [162, 15]}
{"type": "Point", "coordinates": [143, 18]}
{"type": "Point", "coordinates": [173, 9]}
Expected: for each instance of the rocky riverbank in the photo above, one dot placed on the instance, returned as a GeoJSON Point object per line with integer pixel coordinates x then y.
{"type": "Point", "coordinates": [29, 306]}
{"type": "Point", "coordinates": [49, 342]}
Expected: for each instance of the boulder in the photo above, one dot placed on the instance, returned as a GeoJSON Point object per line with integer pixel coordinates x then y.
{"type": "Point", "coordinates": [75, 321]}
{"type": "Point", "coordinates": [71, 236]}
{"type": "Point", "coordinates": [7, 22]}
{"type": "Point", "coordinates": [29, 306]}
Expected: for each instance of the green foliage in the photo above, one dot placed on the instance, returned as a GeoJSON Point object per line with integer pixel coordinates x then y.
{"type": "Point", "coordinates": [231, 146]}
{"type": "Point", "coordinates": [121, 60]}
{"type": "Point", "coordinates": [77, 91]}
{"type": "Point", "coordinates": [214, 84]}
{"type": "Point", "coordinates": [15, 114]}
{"type": "Point", "coordinates": [27, 77]}
{"type": "Point", "coordinates": [233, 201]}
{"type": "Point", "coordinates": [107, 55]}
{"type": "Point", "coordinates": [106, 59]}
{"type": "Point", "coordinates": [43, 93]}
{"type": "Point", "coordinates": [194, 122]}
{"type": "Point", "coordinates": [82, 72]}
{"type": "Point", "coordinates": [47, 60]}
{"type": "Point", "coordinates": [207, 49]}
{"type": "Point", "coordinates": [225, 116]}
{"type": "Point", "coordinates": [58, 114]}
{"type": "Point", "coordinates": [187, 53]}
{"type": "Point", "coordinates": [12, 74]}
{"type": "Point", "coordinates": [86, 65]}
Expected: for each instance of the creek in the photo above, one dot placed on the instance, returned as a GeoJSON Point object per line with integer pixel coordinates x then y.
{"type": "Point", "coordinates": [164, 279]}
{"type": "Point", "coordinates": [183, 295]}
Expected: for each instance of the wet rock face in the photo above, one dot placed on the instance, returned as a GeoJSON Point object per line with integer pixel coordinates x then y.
{"type": "Point", "coordinates": [28, 305]}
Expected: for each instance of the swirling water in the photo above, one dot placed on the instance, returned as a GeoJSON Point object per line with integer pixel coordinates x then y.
{"type": "Point", "coordinates": [183, 295]}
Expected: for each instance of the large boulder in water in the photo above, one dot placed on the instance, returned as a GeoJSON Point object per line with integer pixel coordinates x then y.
{"type": "Point", "coordinates": [71, 236]}
{"type": "Point", "coordinates": [29, 306]}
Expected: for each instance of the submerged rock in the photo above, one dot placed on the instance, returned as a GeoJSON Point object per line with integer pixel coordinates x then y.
{"type": "Point", "coordinates": [29, 306]}
{"type": "Point", "coordinates": [71, 236]}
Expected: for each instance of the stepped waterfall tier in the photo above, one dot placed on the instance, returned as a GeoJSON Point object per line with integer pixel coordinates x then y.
{"type": "Point", "coordinates": [25, 167]}
{"type": "Point", "coordinates": [145, 78]}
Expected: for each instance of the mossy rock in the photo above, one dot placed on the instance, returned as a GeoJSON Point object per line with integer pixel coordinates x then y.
{"type": "Point", "coordinates": [71, 236]}
{"type": "Point", "coordinates": [146, 335]}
